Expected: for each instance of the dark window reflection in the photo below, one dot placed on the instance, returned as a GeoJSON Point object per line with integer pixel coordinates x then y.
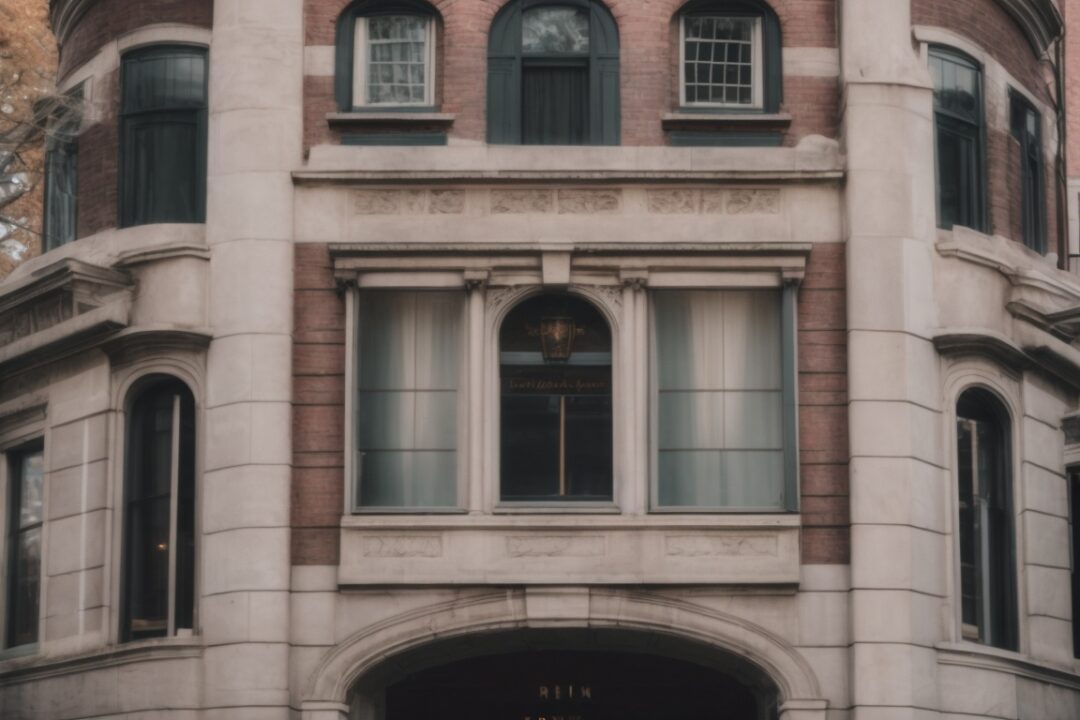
{"type": "Point", "coordinates": [555, 354]}
{"type": "Point", "coordinates": [161, 419]}
{"type": "Point", "coordinates": [24, 546]}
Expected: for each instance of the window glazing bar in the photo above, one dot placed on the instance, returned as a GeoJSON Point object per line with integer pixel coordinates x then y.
{"type": "Point", "coordinates": [174, 493]}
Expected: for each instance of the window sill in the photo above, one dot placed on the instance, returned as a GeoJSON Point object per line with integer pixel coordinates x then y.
{"type": "Point", "coordinates": [977, 655]}
{"type": "Point", "coordinates": [30, 667]}
{"type": "Point", "coordinates": [399, 118]}
{"type": "Point", "coordinates": [594, 548]}
{"type": "Point", "coordinates": [699, 120]}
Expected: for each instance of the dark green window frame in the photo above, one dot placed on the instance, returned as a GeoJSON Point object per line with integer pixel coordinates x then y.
{"type": "Point", "coordinates": [61, 173]}
{"type": "Point", "coordinates": [508, 65]}
{"type": "Point", "coordinates": [158, 594]}
{"type": "Point", "coordinates": [345, 49]}
{"type": "Point", "coordinates": [24, 533]}
{"type": "Point", "coordinates": [157, 98]}
{"type": "Point", "coordinates": [988, 606]}
{"type": "Point", "coordinates": [771, 53]}
{"type": "Point", "coordinates": [964, 134]}
{"type": "Point", "coordinates": [1074, 557]}
{"type": "Point", "coordinates": [1026, 125]}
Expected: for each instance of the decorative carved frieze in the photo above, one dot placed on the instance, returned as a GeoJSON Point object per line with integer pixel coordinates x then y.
{"type": "Point", "coordinates": [401, 546]}
{"type": "Point", "coordinates": [720, 545]}
{"type": "Point", "coordinates": [516, 202]}
{"type": "Point", "coordinates": [408, 202]}
{"type": "Point", "coordinates": [555, 546]}
{"type": "Point", "coordinates": [589, 202]}
{"type": "Point", "coordinates": [753, 202]}
{"type": "Point", "coordinates": [673, 202]}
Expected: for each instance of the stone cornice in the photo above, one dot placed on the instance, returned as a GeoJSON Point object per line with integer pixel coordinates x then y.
{"type": "Point", "coordinates": [1039, 19]}
{"type": "Point", "coordinates": [64, 14]}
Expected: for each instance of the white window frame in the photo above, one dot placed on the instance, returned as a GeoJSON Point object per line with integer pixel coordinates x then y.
{"type": "Point", "coordinates": [621, 293]}
{"type": "Point", "coordinates": [757, 71]}
{"type": "Point", "coordinates": [360, 65]}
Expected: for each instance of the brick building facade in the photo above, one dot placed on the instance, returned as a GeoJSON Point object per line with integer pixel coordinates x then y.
{"type": "Point", "coordinates": [292, 434]}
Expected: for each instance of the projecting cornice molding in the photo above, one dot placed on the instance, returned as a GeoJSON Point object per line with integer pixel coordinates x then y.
{"type": "Point", "coordinates": [1039, 19]}
{"type": "Point", "coordinates": [64, 14]}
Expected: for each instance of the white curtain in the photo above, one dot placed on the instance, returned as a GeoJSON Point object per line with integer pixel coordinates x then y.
{"type": "Point", "coordinates": [719, 415]}
{"type": "Point", "coordinates": [409, 356]}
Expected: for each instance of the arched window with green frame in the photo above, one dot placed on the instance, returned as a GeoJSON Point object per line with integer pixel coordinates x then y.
{"type": "Point", "coordinates": [553, 74]}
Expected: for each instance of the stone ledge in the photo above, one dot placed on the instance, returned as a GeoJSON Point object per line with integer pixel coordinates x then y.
{"type": "Point", "coordinates": [973, 655]}
{"type": "Point", "coordinates": [401, 118]}
{"type": "Point", "coordinates": [552, 550]}
{"type": "Point", "coordinates": [721, 121]}
{"type": "Point", "coordinates": [39, 667]}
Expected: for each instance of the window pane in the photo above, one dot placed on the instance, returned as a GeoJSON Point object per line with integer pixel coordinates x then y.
{"type": "Point", "coordinates": [148, 555]}
{"type": "Point", "coordinates": [161, 167]}
{"type": "Point", "coordinates": [30, 493]}
{"type": "Point", "coordinates": [397, 59]}
{"type": "Point", "coordinates": [551, 29]}
{"type": "Point", "coordinates": [720, 407]}
{"type": "Point", "coordinates": [407, 404]}
{"type": "Point", "coordinates": [25, 588]}
{"type": "Point", "coordinates": [61, 164]}
{"type": "Point", "coordinates": [164, 79]}
{"type": "Point", "coordinates": [718, 59]}
{"type": "Point", "coordinates": [555, 105]}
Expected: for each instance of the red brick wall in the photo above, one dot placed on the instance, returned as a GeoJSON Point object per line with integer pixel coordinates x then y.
{"type": "Point", "coordinates": [987, 24]}
{"type": "Point", "coordinates": [96, 172]}
{"type": "Point", "coordinates": [1071, 9]}
{"type": "Point", "coordinates": [648, 75]}
{"type": "Point", "coordinates": [318, 484]}
{"type": "Point", "coordinates": [319, 415]}
{"type": "Point", "coordinates": [108, 19]}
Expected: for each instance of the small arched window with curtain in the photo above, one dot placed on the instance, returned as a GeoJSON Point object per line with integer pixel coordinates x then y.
{"type": "Point", "coordinates": [985, 523]}
{"type": "Point", "coordinates": [158, 598]}
{"type": "Point", "coordinates": [385, 55]}
{"type": "Point", "coordinates": [556, 420]}
{"type": "Point", "coordinates": [553, 74]}
{"type": "Point", "coordinates": [730, 56]}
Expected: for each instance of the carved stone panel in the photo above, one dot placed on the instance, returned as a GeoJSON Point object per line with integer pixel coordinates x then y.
{"type": "Point", "coordinates": [516, 202]}
{"type": "Point", "coordinates": [589, 201]}
{"type": "Point", "coordinates": [673, 202]}
{"type": "Point", "coordinates": [719, 545]}
{"type": "Point", "coordinates": [401, 546]}
{"type": "Point", "coordinates": [554, 546]}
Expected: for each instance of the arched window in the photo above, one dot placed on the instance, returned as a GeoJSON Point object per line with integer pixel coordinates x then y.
{"type": "Point", "coordinates": [555, 366]}
{"type": "Point", "coordinates": [729, 56]}
{"type": "Point", "coordinates": [987, 544]}
{"type": "Point", "coordinates": [958, 126]}
{"type": "Point", "coordinates": [159, 512]}
{"type": "Point", "coordinates": [553, 74]}
{"type": "Point", "coordinates": [385, 55]}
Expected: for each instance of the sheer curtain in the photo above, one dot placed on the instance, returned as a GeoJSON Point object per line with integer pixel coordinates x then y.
{"type": "Point", "coordinates": [409, 355]}
{"type": "Point", "coordinates": [720, 412]}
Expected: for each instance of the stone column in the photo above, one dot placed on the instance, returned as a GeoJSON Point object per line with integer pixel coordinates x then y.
{"type": "Point", "coordinates": [255, 140]}
{"type": "Point", "coordinates": [898, 549]}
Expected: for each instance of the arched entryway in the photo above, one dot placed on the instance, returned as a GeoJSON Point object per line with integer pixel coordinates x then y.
{"type": "Point", "coordinates": [550, 674]}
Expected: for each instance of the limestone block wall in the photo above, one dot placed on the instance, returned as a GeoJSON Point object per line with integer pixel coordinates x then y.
{"type": "Point", "coordinates": [648, 41]}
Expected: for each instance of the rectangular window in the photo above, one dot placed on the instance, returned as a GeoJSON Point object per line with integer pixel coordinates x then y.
{"type": "Point", "coordinates": [1026, 128]}
{"type": "Point", "coordinates": [721, 62]}
{"type": "Point", "coordinates": [409, 356]}
{"type": "Point", "coordinates": [393, 60]}
{"type": "Point", "coordinates": [61, 180]}
{"type": "Point", "coordinates": [958, 126]}
{"type": "Point", "coordinates": [1074, 527]}
{"type": "Point", "coordinates": [725, 410]}
{"type": "Point", "coordinates": [163, 136]}
{"type": "Point", "coordinates": [25, 517]}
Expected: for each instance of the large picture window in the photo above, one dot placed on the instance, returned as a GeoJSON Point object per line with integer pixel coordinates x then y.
{"type": "Point", "coordinates": [958, 126]}
{"type": "Point", "coordinates": [555, 423]}
{"type": "Point", "coordinates": [25, 518]}
{"type": "Point", "coordinates": [553, 74]}
{"type": "Point", "coordinates": [163, 136]}
{"type": "Point", "coordinates": [409, 356]}
{"type": "Point", "coordinates": [159, 508]}
{"type": "Point", "coordinates": [721, 405]}
{"type": "Point", "coordinates": [984, 487]}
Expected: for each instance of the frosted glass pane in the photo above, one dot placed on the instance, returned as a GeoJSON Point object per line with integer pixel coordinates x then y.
{"type": "Point", "coordinates": [555, 30]}
{"type": "Point", "coordinates": [689, 340]}
{"type": "Point", "coordinates": [753, 479]}
{"type": "Point", "coordinates": [387, 420]}
{"type": "Point", "coordinates": [387, 349]}
{"type": "Point", "coordinates": [689, 478]}
{"type": "Point", "coordinates": [691, 420]}
{"type": "Point", "coordinates": [752, 340]}
{"type": "Point", "coordinates": [434, 479]}
{"type": "Point", "coordinates": [753, 420]}
{"type": "Point", "coordinates": [436, 420]}
{"type": "Point", "coordinates": [438, 338]}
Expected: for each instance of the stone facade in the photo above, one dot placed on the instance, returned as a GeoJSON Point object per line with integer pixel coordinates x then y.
{"type": "Point", "coordinates": [847, 606]}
